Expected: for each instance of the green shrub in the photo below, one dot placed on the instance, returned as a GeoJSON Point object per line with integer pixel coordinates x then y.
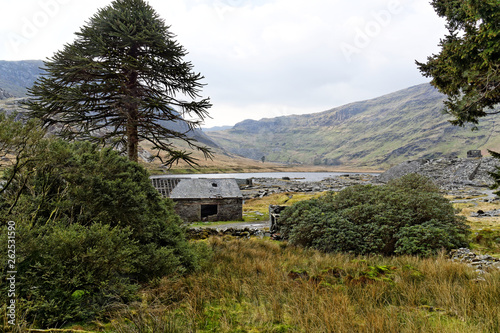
{"type": "Point", "coordinates": [72, 272]}
{"type": "Point", "coordinates": [90, 227]}
{"type": "Point", "coordinates": [406, 216]}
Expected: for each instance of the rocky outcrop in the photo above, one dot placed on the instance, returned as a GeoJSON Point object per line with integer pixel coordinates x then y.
{"type": "Point", "coordinates": [4, 94]}
{"type": "Point", "coordinates": [448, 173]}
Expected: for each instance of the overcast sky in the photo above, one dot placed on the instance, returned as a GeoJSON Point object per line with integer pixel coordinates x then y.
{"type": "Point", "coordinates": [262, 58]}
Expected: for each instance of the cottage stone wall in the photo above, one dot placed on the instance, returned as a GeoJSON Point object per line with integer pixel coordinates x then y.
{"type": "Point", "coordinates": [228, 209]}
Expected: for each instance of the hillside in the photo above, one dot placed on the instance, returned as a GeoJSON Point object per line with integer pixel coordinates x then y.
{"type": "Point", "coordinates": [381, 132]}
{"type": "Point", "coordinates": [17, 76]}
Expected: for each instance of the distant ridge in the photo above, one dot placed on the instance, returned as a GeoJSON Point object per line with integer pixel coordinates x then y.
{"type": "Point", "coordinates": [216, 128]}
{"type": "Point", "coordinates": [381, 132]}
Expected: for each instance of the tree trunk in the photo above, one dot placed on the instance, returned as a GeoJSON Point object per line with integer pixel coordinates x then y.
{"type": "Point", "coordinates": [132, 136]}
{"type": "Point", "coordinates": [132, 112]}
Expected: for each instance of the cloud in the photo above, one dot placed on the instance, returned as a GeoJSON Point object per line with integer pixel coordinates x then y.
{"type": "Point", "coordinates": [264, 58]}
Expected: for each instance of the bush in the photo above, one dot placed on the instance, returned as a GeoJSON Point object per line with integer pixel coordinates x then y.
{"type": "Point", "coordinates": [89, 227]}
{"type": "Point", "coordinates": [72, 272]}
{"type": "Point", "coordinates": [406, 216]}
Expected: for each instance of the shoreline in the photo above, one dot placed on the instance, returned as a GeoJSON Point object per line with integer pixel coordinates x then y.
{"type": "Point", "coordinates": [266, 169]}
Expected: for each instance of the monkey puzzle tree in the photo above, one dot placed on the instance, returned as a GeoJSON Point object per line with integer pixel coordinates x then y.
{"type": "Point", "coordinates": [119, 81]}
{"type": "Point", "coordinates": [468, 67]}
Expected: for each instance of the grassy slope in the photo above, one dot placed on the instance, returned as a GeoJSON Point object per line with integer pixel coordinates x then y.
{"type": "Point", "coordinates": [10, 105]}
{"type": "Point", "coordinates": [258, 285]}
{"type": "Point", "coordinates": [262, 286]}
{"type": "Point", "coordinates": [265, 286]}
{"type": "Point", "coordinates": [380, 132]}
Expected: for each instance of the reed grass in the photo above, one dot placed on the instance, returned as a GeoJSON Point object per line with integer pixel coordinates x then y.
{"type": "Point", "coordinates": [259, 285]}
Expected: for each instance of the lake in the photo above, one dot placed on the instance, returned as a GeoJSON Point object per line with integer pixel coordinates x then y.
{"type": "Point", "coordinates": [300, 176]}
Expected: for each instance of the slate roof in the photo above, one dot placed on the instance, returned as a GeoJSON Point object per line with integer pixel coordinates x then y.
{"type": "Point", "coordinates": [204, 188]}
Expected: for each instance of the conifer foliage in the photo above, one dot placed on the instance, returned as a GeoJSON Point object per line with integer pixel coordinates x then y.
{"type": "Point", "coordinates": [119, 81]}
{"type": "Point", "coordinates": [468, 67]}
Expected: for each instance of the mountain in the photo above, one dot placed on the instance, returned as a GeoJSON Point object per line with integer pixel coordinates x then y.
{"type": "Point", "coordinates": [216, 128]}
{"type": "Point", "coordinates": [17, 76]}
{"type": "Point", "coordinates": [381, 132]}
{"type": "Point", "coordinates": [183, 127]}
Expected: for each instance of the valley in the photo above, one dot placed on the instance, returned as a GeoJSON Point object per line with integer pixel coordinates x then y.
{"type": "Point", "coordinates": [369, 135]}
{"type": "Point", "coordinates": [377, 133]}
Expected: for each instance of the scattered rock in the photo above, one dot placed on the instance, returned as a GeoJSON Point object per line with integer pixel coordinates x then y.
{"type": "Point", "coordinates": [145, 155]}
{"type": "Point", "coordinates": [482, 263]}
{"type": "Point", "coordinates": [263, 187]}
{"type": "Point", "coordinates": [204, 233]}
{"type": "Point", "coordinates": [490, 213]}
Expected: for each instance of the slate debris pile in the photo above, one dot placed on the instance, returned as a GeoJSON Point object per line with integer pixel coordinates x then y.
{"type": "Point", "coordinates": [4, 94]}
{"type": "Point", "coordinates": [448, 173]}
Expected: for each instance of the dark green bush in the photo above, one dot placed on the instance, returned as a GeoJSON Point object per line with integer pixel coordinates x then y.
{"type": "Point", "coordinates": [90, 227]}
{"type": "Point", "coordinates": [72, 272]}
{"type": "Point", "coordinates": [406, 216]}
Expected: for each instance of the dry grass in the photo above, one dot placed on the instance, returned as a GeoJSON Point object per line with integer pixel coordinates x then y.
{"type": "Point", "coordinates": [485, 230]}
{"type": "Point", "coordinates": [467, 208]}
{"type": "Point", "coordinates": [264, 286]}
{"type": "Point", "coordinates": [258, 208]}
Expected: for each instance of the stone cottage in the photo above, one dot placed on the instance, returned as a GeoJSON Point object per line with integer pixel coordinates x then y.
{"type": "Point", "coordinates": [203, 199]}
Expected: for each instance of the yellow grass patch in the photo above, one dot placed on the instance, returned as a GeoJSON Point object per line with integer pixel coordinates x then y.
{"type": "Point", "coordinates": [467, 208]}
{"type": "Point", "coordinates": [258, 208]}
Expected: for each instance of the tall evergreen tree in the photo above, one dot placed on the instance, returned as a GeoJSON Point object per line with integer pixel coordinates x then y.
{"type": "Point", "coordinates": [118, 82]}
{"type": "Point", "coordinates": [468, 67]}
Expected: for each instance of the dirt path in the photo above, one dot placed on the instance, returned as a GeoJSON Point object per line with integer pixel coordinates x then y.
{"type": "Point", "coordinates": [489, 195]}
